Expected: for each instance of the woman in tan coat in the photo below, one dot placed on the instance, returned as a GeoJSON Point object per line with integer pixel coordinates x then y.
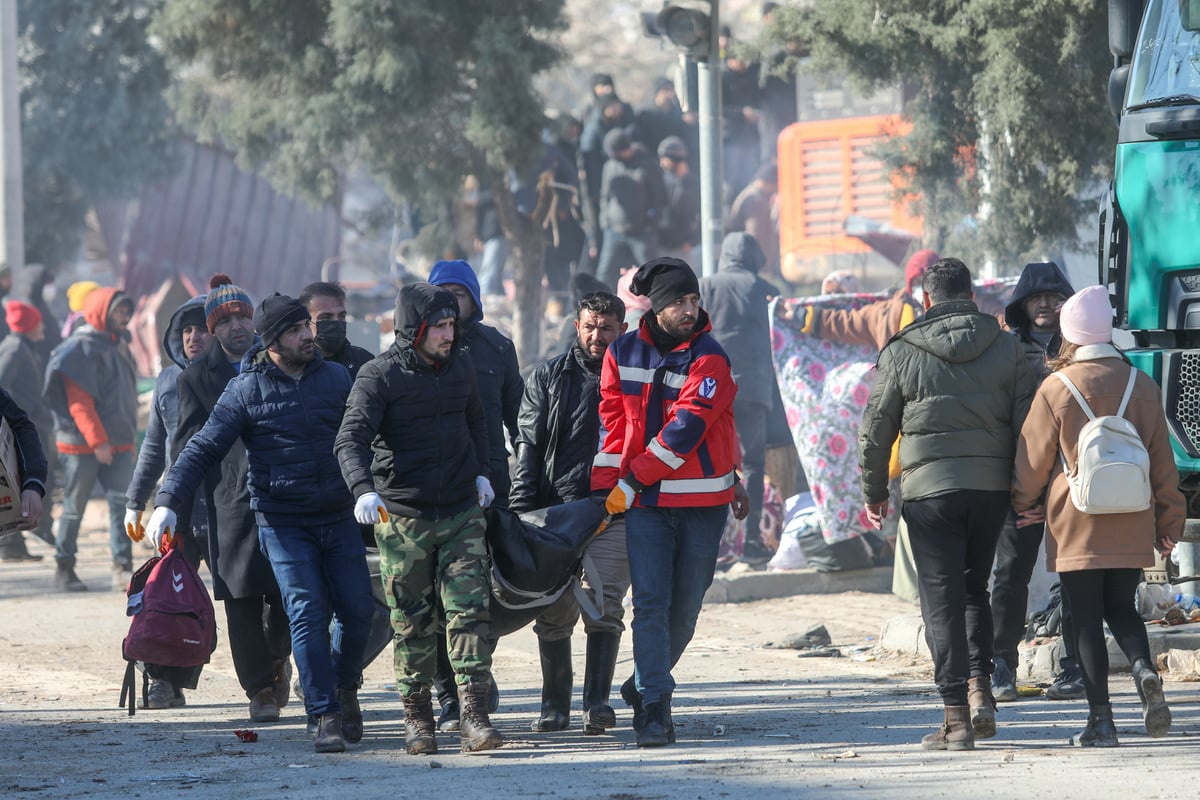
{"type": "Point", "coordinates": [1099, 557]}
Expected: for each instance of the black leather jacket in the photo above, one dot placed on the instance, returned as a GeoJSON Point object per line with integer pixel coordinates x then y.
{"type": "Point", "coordinates": [559, 432]}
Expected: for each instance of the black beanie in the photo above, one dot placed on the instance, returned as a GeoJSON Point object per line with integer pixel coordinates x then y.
{"type": "Point", "coordinates": [275, 315]}
{"type": "Point", "coordinates": [192, 315]}
{"type": "Point", "coordinates": [664, 280]}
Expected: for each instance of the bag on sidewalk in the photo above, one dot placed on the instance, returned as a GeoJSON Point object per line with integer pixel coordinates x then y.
{"type": "Point", "coordinates": [1112, 467]}
{"type": "Point", "coordinates": [173, 621]}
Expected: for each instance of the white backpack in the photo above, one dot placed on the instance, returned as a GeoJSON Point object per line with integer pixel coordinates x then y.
{"type": "Point", "coordinates": [1112, 469]}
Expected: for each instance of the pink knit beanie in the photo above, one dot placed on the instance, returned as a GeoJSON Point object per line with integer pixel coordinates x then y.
{"type": "Point", "coordinates": [1086, 317]}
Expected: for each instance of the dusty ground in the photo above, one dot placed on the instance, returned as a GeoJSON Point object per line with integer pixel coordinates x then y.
{"type": "Point", "coordinates": [751, 719]}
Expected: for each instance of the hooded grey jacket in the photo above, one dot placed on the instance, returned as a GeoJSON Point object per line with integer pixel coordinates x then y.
{"type": "Point", "coordinates": [736, 301]}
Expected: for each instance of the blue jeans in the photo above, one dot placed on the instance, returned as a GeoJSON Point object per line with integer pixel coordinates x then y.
{"type": "Point", "coordinates": [672, 557]}
{"type": "Point", "coordinates": [80, 473]}
{"type": "Point", "coordinates": [322, 570]}
{"type": "Point", "coordinates": [491, 266]}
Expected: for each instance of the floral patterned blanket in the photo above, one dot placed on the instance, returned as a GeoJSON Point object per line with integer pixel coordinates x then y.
{"type": "Point", "coordinates": [825, 386]}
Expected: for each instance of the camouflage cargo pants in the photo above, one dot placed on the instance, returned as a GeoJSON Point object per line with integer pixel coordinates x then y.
{"type": "Point", "coordinates": [420, 561]}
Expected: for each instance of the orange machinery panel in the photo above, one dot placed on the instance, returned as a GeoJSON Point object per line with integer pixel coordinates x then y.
{"type": "Point", "coordinates": [826, 174]}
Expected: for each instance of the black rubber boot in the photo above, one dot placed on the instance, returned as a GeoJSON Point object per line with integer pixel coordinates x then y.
{"type": "Point", "coordinates": [1101, 731]}
{"type": "Point", "coordinates": [598, 715]}
{"type": "Point", "coordinates": [1155, 712]}
{"type": "Point", "coordinates": [658, 729]}
{"type": "Point", "coordinates": [557, 685]}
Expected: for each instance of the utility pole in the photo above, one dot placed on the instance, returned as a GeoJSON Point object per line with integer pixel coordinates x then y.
{"type": "Point", "coordinates": [12, 202]}
{"type": "Point", "coordinates": [711, 178]}
{"type": "Point", "coordinates": [695, 27]}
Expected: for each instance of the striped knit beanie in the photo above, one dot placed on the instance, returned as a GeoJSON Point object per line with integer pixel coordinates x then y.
{"type": "Point", "coordinates": [225, 300]}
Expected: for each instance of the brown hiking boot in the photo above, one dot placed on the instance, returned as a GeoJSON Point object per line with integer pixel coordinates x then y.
{"type": "Point", "coordinates": [283, 682]}
{"type": "Point", "coordinates": [262, 706]}
{"type": "Point", "coordinates": [476, 729]}
{"type": "Point", "coordinates": [329, 734]}
{"type": "Point", "coordinates": [418, 723]}
{"type": "Point", "coordinates": [982, 705]}
{"type": "Point", "coordinates": [954, 734]}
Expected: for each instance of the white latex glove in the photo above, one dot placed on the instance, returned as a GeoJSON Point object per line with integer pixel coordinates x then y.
{"type": "Point", "coordinates": [369, 510]}
{"type": "Point", "coordinates": [162, 523]}
{"type": "Point", "coordinates": [620, 498]}
{"type": "Point", "coordinates": [483, 488]}
{"type": "Point", "coordinates": [134, 528]}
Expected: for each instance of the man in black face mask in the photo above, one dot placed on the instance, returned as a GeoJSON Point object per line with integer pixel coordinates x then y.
{"type": "Point", "coordinates": [326, 304]}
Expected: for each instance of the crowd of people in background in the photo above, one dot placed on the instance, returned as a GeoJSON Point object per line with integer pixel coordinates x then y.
{"type": "Point", "coordinates": [281, 451]}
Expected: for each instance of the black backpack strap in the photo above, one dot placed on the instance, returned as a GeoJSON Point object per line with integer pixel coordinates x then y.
{"type": "Point", "coordinates": [128, 688]}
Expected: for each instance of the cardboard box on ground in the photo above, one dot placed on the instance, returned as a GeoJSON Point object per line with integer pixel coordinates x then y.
{"type": "Point", "coordinates": [10, 481]}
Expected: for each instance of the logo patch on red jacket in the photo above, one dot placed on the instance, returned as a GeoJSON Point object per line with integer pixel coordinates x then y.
{"type": "Point", "coordinates": [708, 388]}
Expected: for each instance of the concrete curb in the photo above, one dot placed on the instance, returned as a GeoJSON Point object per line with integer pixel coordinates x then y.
{"type": "Point", "coordinates": [746, 586]}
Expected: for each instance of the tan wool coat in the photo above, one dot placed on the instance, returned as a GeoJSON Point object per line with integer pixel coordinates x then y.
{"type": "Point", "coordinates": [1079, 541]}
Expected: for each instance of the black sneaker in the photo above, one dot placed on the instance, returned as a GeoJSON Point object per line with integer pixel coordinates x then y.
{"type": "Point", "coordinates": [66, 580]}
{"type": "Point", "coordinates": [1068, 685]}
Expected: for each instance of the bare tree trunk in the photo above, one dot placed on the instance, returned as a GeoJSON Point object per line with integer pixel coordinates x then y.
{"type": "Point", "coordinates": [528, 245]}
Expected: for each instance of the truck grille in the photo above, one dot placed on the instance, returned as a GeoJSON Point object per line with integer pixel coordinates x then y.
{"type": "Point", "coordinates": [1186, 395]}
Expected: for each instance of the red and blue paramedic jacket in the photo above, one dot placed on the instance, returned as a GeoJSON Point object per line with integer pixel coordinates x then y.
{"type": "Point", "coordinates": [668, 420]}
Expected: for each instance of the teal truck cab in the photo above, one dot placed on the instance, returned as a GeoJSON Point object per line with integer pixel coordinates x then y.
{"type": "Point", "coordinates": [1150, 219]}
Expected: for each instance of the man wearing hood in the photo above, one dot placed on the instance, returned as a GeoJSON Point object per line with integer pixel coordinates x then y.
{"type": "Point", "coordinates": [91, 387]}
{"type": "Point", "coordinates": [186, 339]}
{"type": "Point", "coordinates": [413, 448]}
{"type": "Point", "coordinates": [632, 199]}
{"type": "Point", "coordinates": [957, 390]}
{"type": "Point", "coordinates": [1032, 316]}
{"type": "Point", "coordinates": [498, 374]}
{"type": "Point", "coordinates": [668, 451]}
{"type": "Point", "coordinates": [19, 360]}
{"type": "Point", "coordinates": [286, 405]}
{"type": "Point", "coordinates": [326, 304]}
{"type": "Point", "coordinates": [256, 623]}
{"type": "Point", "coordinates": [736, 301]}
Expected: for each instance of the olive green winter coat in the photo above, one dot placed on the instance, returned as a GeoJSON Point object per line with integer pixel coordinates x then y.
{"type": "Point", "coordinates": [956, 388]}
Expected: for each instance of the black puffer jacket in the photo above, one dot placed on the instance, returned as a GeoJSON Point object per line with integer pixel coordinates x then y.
{"type": "Point", "coordinates": [1040, 277]}
{"type": "Point", "coordinates": [736, 301]}
{"type": "Point", "coordinates": [414, 433]}
{"type": "Point", "coordinates": [559, 433]}
{"type": "Point", "coordinates": [288, 426]}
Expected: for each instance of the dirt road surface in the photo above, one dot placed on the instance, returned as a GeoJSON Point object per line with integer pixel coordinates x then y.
{"type": "Point", "coordinates": [752, 720]}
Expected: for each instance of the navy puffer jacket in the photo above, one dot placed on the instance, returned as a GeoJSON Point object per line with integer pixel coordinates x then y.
{"type": "Point", "coordinates": [288, 427]}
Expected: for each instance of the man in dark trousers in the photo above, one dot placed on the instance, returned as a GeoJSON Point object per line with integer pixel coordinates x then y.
{"type": "Point", "coordinates": [256, 622]}
{"type": "Point", "coordinates": [413, 448]}
{"type": "Point", "coordinates": [1032, 316]}
{"type": "Point", "coordinates": [286, 405]}
{"type": "Point", "coordinates": [500, 387]}
{"type": "Point", "coordinates": [92, 391]}
{"type": "Point", "coordinates": [956, 389]}
{"type": "Point", "coordinates": [736, 301]}
{"type": "Point", "coordinates": [20, 368]}
{"type": "Point", "coordinates": [326, 304]}
{"type": "Point", "coordinates": [559, 431]}
{"type": "Point", "coordinates": [668, 450]}
{"type": "Point", "coordinates": [185, 340]}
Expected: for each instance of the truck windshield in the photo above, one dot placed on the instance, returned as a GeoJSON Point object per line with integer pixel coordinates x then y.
{"type": "Point", "coordinates": [1166, 63]}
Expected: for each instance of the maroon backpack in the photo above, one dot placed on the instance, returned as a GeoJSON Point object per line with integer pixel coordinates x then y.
{"type": "Point", "coordinates": [173, 621]}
